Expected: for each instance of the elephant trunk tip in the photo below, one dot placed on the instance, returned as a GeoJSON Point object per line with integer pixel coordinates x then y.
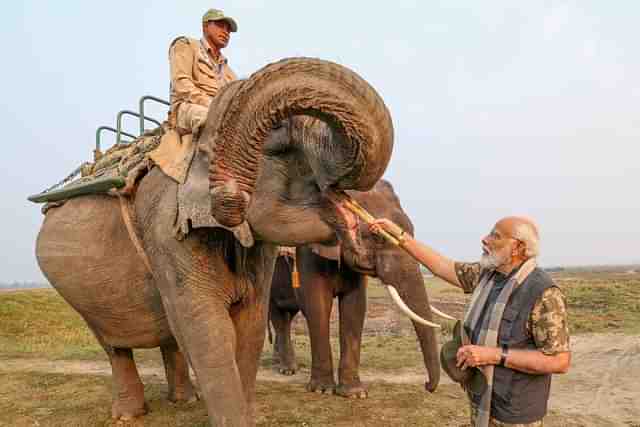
{"type": "Point", "coordinates": [229, 203]}
{"type": "Point", "coordinates": [431, 386]}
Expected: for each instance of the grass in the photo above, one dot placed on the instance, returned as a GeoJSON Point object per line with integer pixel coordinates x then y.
{"type": "Point", "coordinates": [603, 304]}
{"type": "Point", "coordinates": [383, 353]}
{"type": "Point", "coordinates": [40, 324]}
{"type": "Point", "coordinates": [37, 399]}
{"type": "Point", "coordinates": [56, 400]}
{"type": "Point", "coordinates": [28, 399]}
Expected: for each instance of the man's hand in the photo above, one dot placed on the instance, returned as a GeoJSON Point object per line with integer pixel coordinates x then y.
{"type": "Point", "coordinates": [389, 226]}
{"type": "Point", "coordinates": [477, 355]}
{"type": "Point", "coordinates": [439, 265]}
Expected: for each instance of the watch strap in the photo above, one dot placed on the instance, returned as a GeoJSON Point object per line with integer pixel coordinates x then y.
{"type": "Point", "coordinates": [503, 355]}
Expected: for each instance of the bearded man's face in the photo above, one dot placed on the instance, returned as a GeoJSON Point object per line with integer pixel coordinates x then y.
{"type": "Point", "coordinates": [497, 249]}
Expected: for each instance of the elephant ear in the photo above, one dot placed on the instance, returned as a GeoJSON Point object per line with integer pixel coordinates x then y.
{"type": "Point", "coordinates": [194, 204]}
{"type": "Point", "coordinates": [329, 252]}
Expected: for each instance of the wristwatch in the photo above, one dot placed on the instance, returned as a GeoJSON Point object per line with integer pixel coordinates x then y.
{"type": "Point", "coordinates": [503, 355]}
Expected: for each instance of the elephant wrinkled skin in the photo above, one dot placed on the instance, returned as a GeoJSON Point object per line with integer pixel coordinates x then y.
{"type": "Point", "coordinates": [325, 274]}
{"type": "Point", "coordinates": [278, 144]}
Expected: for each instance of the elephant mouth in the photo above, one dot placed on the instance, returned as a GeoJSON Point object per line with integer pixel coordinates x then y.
{"type": "Point", "coordinates": [348, 228]}
{"type": "Point", "coordinates": [345, 222]}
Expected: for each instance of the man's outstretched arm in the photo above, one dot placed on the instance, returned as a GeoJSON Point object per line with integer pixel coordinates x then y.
{"type": "Point", "coordinates": [437, 263]}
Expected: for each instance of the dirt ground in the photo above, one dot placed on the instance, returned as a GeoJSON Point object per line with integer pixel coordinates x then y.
{"type": "Point", "coordinates": [602, 388]}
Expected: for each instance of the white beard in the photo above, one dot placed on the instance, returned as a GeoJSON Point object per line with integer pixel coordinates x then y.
{"type": "Point", "coordinates": [489, 262]}
{"type": "Point", "coordinates": [492, 261]}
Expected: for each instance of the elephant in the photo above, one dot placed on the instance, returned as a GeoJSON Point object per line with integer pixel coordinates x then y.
{"type": "Point", "coordinates": [276, 152]}
{"type": "Point", "coordinates": [324, 275]}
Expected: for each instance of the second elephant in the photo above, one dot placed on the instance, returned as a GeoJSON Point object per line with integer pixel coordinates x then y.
{"type": "Point", "coordinates": [325, 274]}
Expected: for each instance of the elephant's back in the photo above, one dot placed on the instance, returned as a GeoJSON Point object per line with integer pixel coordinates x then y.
{"type": "Point", "coordinates": [86, 253]}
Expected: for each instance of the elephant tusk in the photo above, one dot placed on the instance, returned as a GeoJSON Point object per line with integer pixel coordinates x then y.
{"type": "Point", "coordinates": [441, 314]}
{"type": "Point", "coordinates": [406, 310]}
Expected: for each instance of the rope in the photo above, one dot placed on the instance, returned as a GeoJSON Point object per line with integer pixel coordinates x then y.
{"type": "Point", "coordinates": [125, 209]}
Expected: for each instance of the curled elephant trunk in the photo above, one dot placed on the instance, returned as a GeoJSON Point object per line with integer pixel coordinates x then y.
{"type": "Point", "coordinates": [244, 113]}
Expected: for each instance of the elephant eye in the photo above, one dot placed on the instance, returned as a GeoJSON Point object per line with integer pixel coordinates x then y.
{"type": "Point", "coordinates": [277, 142]}
{"type": "Point", "coordinates": [280, 124]}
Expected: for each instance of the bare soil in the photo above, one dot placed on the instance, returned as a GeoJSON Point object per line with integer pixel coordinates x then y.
{"type": "Point", "coordinates": [602, 388]}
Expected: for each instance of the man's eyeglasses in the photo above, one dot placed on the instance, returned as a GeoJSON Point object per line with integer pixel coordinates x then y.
{"type": "Point", "coordinates": [494, 235]}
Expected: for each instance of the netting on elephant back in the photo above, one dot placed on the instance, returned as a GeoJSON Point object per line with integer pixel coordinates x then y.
{"type": "Point", "coordinates": [120, 166]}
{"type": "Point", "coordinates": [121, 159]}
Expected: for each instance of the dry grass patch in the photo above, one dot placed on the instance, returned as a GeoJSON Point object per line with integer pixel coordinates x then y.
{"type": "Point", "coordinates": [54, 400]}
{"type": "Point", "coordinates": [39, 322]}
{"type": "Point", "coordinates": [82, 400]}
{"type": "Point", "coordinates": [603, 304]}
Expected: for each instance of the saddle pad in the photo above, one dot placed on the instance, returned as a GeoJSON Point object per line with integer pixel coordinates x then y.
{"type": "Point", "coordinates": [174, 154]}
{"type": "Point", "coordinates": [194, 204]}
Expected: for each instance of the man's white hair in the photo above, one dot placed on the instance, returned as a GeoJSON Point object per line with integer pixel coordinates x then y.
{"type": "Point", "coordinates": [527, 232]}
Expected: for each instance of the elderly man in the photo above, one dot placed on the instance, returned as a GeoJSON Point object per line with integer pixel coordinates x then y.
{"type": "Point", "coordinates": [515, 327]}
{"type": "Point", "coordinates": [199, 70]}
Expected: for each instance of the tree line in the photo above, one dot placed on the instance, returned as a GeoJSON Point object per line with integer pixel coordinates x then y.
{"type": "Point", "coordinates": [23, 285]}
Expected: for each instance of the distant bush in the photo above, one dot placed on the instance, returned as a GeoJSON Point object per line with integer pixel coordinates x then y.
{"type": "Point", "coordinates": [23, 285]}
{"type": "Point", "coordinates": [554, 269]}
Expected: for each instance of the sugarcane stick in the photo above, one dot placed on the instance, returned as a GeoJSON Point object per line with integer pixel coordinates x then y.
{"type": "Point", "coordinates": [361, 212]}
{"type": "Point", "coordinates": [355, 207]}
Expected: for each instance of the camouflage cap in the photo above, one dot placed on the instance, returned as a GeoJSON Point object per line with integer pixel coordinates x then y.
{"type": "Point", "coordinates": [218, 15]}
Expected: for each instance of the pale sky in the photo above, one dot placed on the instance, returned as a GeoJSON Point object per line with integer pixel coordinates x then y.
{"type": "Point", "coordinates": [499, 107]}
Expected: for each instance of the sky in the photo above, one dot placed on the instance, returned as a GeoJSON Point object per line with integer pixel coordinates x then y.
{"type": "Point", "coordinates": [499, 107]}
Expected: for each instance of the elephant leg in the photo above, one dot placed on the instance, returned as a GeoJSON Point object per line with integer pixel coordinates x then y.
{"type": "Point", "coordinates": [209, 340]}
{"type": "Point", "coordinates": [128, 391]}
{"type": "Point", "coordinates": [250, 321]}
{"type": "Point", "coordinates": [317, 301]}
{"type": "Point", "coordinates": [283, 346]}
{"type": "Point", "coordinates": [177, 371]}
{"type": "Point", "coordinates": [353, 306]}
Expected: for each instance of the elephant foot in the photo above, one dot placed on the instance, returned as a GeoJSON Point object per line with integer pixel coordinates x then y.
{"type": "Point", "coordinates": [126, 410]}
{"type": "Point", "coordinates": [186, 394]}
{"type": "Point", "coordinates": [352, 391]}
{"type": "Point", "coordinates": [287, 371]}
{"type": "Point", "coordinates": [321, 386]}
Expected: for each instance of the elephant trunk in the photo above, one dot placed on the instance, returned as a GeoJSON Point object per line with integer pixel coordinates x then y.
{"type": "Point", "coordinates": [404, 275]}
{"type": "Point", "coordinates": [244, 113]}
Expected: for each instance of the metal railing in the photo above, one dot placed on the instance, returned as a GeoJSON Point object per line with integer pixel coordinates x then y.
{"type": "Point", "coordinates": [130, 113]}
{"type": "Point", "coordinates": [118, 129]}
{"type": "Point", "coordinates": [141, 108]}
{"type": "Point", "coordinates": [110, 129]}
